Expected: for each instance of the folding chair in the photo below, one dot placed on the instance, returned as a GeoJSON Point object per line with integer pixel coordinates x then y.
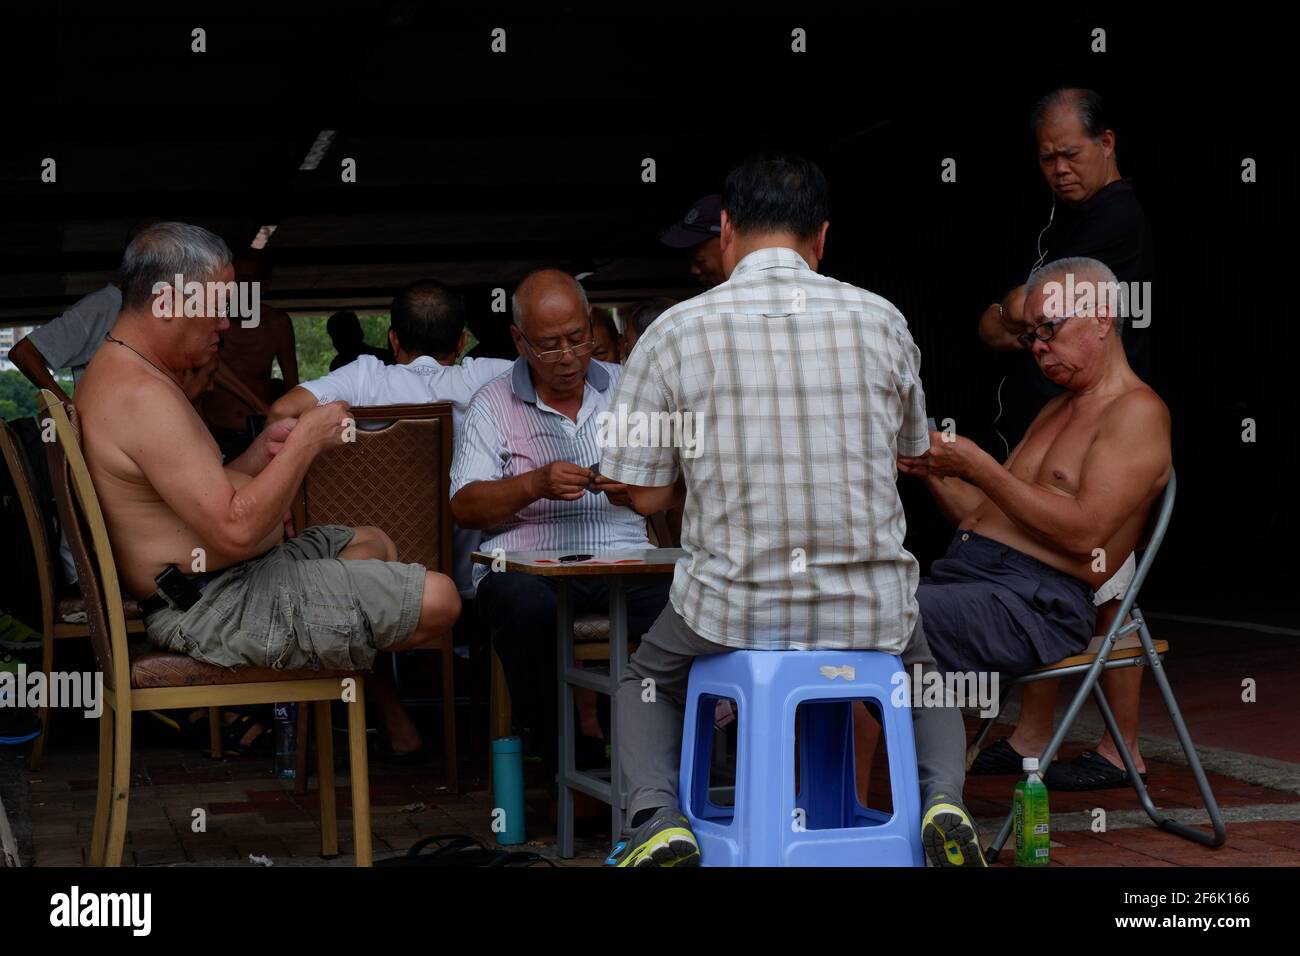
{"type": "Point", "coordinates": [55, 609]}
{"type": "Point", "coordinates": [396, 476]}
{"type": "Point", "coordinates": [147, 679]}
{"type": "Point", "coordinates": [1116, 648]}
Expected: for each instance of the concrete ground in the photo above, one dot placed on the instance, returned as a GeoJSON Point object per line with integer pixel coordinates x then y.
{"type": "Point", "coordinates": [1250, 749]}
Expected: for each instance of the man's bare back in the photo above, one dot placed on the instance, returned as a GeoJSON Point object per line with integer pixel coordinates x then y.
{"type": "Point", "coordinates": [249, 354]}
{"type": "Point", "coordinates": [147, 534]}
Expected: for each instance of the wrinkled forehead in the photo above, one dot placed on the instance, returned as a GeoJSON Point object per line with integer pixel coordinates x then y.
{"type": "Point", "coordinates": [1061, 128]}
{"type": "Point", "coordinates": [551, 312]}
{"type": "Point", "coordinates": [1047, 301]}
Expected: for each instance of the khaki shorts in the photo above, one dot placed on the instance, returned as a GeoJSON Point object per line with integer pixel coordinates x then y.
{"type": "Point", "coordinates": [297, 607]}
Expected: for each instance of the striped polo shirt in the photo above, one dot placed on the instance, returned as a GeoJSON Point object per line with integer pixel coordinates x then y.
{"type": "Point", "coordinates": [508, 430]}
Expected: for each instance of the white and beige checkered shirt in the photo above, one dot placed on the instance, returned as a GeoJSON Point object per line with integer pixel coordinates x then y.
{"type": "Point", "coordinates": [801, 391]}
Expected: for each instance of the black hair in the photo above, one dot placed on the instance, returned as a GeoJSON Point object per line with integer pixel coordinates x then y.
{"type": "Point", "coordinates": [428, 318]}
{"type": "Point", "coordinates": [1087, 106]}
{"type": "Point", "coordinates": [344, 327]}
{"type": "Point", "coordinates": [646, 312]}
{"type": "Point", "coordinates": [776, 192]}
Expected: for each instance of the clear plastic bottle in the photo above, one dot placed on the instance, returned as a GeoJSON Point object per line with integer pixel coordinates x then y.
{"type": "Point", "coordinates": [286, 741]}
{"type": "Point", "coordinates": [1032, 821]}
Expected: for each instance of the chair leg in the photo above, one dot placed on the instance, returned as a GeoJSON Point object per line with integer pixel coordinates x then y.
{"type": "Point", "coordinates": [329, 824]}
{"type": "Point", "coordinates": [121, 787]}
{"type": "Point", "coordinates": [359, 769]}
{"type": "Point", "coordinates": [300, 757]}
{"type": "Point", "coordinates": [1220, 834]}
{"type": "Point", "coordinates": [499, 716]}
{"type": "Point", "coordinates": [214, 733]}
{"type": "Point", "coordinates": [449, 711]}
{"type": "Point", "coordinates": [99, 832]}
{"type": "Point", "coordinates": [1090, 680]}
{"type": "Point", "coordinates": [47, 667]}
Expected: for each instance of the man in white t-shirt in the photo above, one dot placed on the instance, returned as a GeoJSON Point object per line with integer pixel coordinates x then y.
{"type": "Point", "coordinates": [427, 334]}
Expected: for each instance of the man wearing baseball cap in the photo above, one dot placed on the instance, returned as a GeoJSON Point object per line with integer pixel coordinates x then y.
{"type": "Point", "coordinates": [699, 231]}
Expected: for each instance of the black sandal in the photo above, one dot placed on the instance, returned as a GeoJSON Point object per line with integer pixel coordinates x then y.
{"type": "Point", "coordinates": [232, 735]}
{"type": "Point", "coordinates": [1088, 771]}
{"type": "Point", "coordinates": [457, 850]}
{"type": "Point", "coordinates": [998, 759]}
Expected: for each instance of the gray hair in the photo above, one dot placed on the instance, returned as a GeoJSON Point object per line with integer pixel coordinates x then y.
{"type": "Point", "coordinates": [1107, 290]}
{"type": "Point", "coordinates": [517, 310]}
{"type": "Point", "coordinates": [162, 251]}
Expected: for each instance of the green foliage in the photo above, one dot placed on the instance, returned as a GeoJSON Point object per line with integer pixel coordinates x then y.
{"type": "Point", "coordinates": [18, 396]}
{"type": "Point", "coordinates": [314, 348]}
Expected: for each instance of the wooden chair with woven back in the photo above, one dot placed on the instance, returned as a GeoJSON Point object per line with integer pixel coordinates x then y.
{"type": "Point", "coordinates": [143, 678]}
{"type": "Point", "coordinates": [61, 613]}
{"type": "Point", "coordinates": [395, 476]}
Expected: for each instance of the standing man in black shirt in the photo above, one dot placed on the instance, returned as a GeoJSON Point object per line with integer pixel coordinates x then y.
{"type": "Point", "coordinates": [1096, 214]}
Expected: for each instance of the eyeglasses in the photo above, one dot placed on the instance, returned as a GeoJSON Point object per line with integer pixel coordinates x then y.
{"type": "Point", "coordinates": [1042, 333]}
{"type": "Point", "coordinates": [551, 356]}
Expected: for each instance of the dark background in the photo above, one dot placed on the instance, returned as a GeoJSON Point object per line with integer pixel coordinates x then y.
{"type": "Point", "coordinates": [476, 168]}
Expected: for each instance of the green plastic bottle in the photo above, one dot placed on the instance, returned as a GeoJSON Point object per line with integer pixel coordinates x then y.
{"type": "Point", "coordinates": [1032, 825]}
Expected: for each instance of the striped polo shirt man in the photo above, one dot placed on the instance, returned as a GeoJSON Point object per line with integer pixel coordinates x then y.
{"type": "Point", "coordinates": [508, 430]}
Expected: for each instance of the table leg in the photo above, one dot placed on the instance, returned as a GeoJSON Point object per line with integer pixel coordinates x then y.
{"type": "Point", "coordinates": [564, 636]}
{"type": "Point", "coordinates": [617, 664]}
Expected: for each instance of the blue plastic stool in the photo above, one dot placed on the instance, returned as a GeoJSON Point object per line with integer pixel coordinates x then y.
{"type": "Point", "coordinates": [765, 827]}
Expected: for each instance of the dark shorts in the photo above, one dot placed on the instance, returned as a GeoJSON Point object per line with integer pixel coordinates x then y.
{"type": "Point", "coordinates": [299, 606]}
{"type": "Point", "coordinates": [989, 607]}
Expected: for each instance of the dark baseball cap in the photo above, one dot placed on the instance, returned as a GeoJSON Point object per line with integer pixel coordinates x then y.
{"type": "Point", "coordinates": [702, 221]}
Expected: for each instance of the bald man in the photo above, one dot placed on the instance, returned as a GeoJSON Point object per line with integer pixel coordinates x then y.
{"type": "Point", "coordinates": [522, 474]}
{"type": "Point", "coordinates": [1016, 589]}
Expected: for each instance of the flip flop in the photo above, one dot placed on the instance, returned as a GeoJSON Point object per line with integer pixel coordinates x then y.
{"type": "Point", "coordinates": [263, 745]}
{"type": "Point", "coordinates": [998, 759]}
{"type": "Point", "coordinates": [1088, 771]}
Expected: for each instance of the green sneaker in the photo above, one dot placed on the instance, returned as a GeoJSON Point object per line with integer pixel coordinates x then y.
{"type": "Point", "coordinates": [15, 635]}
{"type": "Point", "coordinates": [663, 840]}
{"type": "Point", "coordinates": [949, 834]}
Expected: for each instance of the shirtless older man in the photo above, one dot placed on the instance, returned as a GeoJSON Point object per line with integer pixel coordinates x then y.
{"type": "Point", "coordinates": [260, 597]}
{"type": "Point", "coordinates": [1015, 589]}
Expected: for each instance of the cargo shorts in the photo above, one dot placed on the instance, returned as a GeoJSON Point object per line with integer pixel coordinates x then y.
{"type": "Point", "coordinates": [299, 606]}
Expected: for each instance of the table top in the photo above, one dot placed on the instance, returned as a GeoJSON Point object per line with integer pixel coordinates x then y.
{"type": "Point", "coordinates": [547, 563]}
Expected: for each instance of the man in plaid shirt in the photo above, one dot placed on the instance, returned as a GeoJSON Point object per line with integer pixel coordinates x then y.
{"type": "Point", "coordinates": [775, 406]}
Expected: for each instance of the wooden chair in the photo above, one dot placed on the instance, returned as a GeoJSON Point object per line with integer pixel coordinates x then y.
{"type": "Point", "coordinates": [55, 608]}
{"type": "Point", "coordinates": [396, 476]}
{"type": "Point", "coordinates": [1125, 642]}
{"type": "Point", "coordinates": [147, 679]}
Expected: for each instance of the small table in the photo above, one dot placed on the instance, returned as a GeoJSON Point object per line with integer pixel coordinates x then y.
{"type": "Point", "coordinates": [617, 566]}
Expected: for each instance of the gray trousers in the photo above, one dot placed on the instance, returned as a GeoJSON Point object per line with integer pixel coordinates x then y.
{"type": "Point", "coordinates": [650, 734]}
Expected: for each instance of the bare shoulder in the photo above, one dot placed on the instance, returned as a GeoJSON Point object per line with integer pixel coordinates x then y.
{"type": "Point", "coordinates": [1138, 408]}
{"type": "Point", "coordinates": [125, 399]}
